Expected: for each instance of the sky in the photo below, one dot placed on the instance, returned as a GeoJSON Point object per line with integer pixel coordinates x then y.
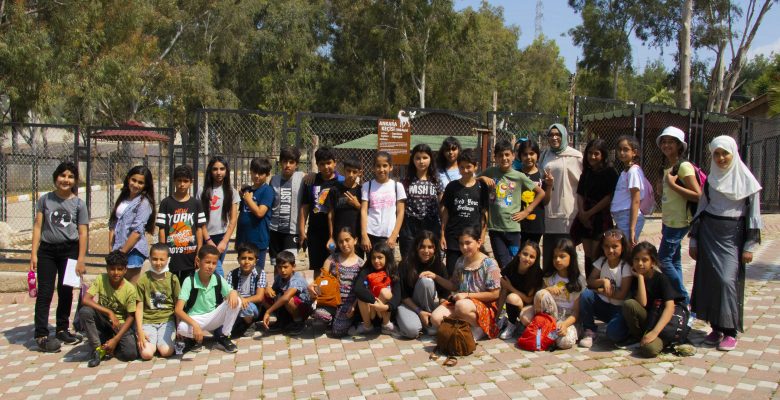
{"type": "Point", "coordinates": [558, 18]}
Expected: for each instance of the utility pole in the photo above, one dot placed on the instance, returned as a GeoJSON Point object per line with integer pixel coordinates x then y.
{"type": "Point", "coordinates": [539, 18]}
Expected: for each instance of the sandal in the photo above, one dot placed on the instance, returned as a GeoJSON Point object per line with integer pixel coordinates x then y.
{"type": "Point", "coordinates": [450, 362]}
{"type": "Point", "coordinates": [433, 356]}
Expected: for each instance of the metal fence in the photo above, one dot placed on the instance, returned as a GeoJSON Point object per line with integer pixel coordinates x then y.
{"type": "Point", "coordinates": [514, 125]}
{"type": "Point", "coordinates": [762, 155]}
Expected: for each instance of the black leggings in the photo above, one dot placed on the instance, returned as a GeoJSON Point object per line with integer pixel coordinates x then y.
{"type": "Point", "coordinates": [52, 259]}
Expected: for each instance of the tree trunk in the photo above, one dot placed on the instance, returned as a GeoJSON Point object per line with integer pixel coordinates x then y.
{"type": "Point", "coordinates": [684, 41]}
{"type": "Point", "coordinates": [421, 89]}
{"type": "Point", "coordinates": [716, 78]}
{"type": "Point", "coordinates": [615, 81]}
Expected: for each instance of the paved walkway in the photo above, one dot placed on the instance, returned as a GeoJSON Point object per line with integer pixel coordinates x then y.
{"type": "Point", "coordinates": [384, 368]}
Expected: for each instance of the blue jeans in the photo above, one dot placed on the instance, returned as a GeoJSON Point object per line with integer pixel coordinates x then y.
{"type": "Point", "coordinates": [216, 239]}
{"type": "Point", "coordinates": [260, 264]}
{"type": "Point", "coordinates": [593, 307]}
{"type": "Point", "coordinates": [670, 257]}
{"type": "Point", "coordinates": [623, 222]}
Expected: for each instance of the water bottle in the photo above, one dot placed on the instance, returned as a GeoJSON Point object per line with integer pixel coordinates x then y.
{"type": "Point", "coordinates": [32, 284]}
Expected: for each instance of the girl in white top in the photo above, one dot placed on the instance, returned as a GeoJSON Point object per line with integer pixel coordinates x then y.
{"type": "Point", "coordinates": [382, 207]}
{"type": "Point", "coordinates": [629, 190]}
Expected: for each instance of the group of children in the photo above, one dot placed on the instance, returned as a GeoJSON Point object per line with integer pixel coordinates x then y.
{"type": "Point", "coordinates": [438, 216]}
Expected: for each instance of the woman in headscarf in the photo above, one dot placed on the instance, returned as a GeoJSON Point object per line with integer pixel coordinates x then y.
{"type": "Point", "coordinates": [562, 166]}
{"type": "Point", "coordinates": [725, 233]}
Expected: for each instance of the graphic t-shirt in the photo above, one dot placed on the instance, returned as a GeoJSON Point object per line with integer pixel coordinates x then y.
{"type": "Point", "coordinates": [159, 296]}
{"type": "Point", "coordinates": [250, 228]}
{"type": "Point", "coordinates": [465, 206]}
{"type": "Point", "coordinates": [422, 199]}
{"type": "Point", "coordinates": [215, 225]}
{"type": "Point", "coordinates": [382, 199]}
{"type": "Point", "coordinates": [615, 275]}
{"type": "Point", "coordinates": [507, 198]}
{"type": "Point", "coordinates": [565, 300]}
{"type": "Point", "coordinates": [288, 195]}
{"type": "Point", "coordinates": [296, 281]}
{"type": "Point", "coordinates": [61, 218]}
{"type": "Point", "coordinates": [316, 196]}
{"type": "Point", "coordinates": [120, 301]}
{"type": "Point", "coordinates": [674, 206]}
{"type": "Point", "coordinates": [533, 224]}
{"type": "Point", "coordinates": [344, 214]}
{"type": "Point", "coordinates": [179, 221]}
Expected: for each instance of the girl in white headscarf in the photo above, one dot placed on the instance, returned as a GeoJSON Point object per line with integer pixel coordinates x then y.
{"type": "Point", "coordinates": [724, 235]}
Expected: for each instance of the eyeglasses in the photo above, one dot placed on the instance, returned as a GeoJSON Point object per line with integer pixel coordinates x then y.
{"type": "Point", "coordinates": [617, 235]}
{"type": "Point", "coordinates": [554, 135]}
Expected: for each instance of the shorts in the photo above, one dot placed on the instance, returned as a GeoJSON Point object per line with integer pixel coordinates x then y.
{"type": "Point", "coordinates": [160, 334]}
{"type": "Point", "coordinates": [279, 242]}
{"type": "Point", "coordinates": [251, 310]}
{"type": "Point", "coordinates": [135, 259]}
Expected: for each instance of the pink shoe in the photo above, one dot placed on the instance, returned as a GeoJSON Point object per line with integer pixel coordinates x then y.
{"type": "Point", "coordinates": [728, 343]}
{"type": "Point", "coordinates": [713, 338]}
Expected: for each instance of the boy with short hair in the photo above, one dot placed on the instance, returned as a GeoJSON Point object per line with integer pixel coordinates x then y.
{"type": "Point", "coordinates": [344, 203]}
{"type": "Point", "coordinates": [288, 195]}
{"type": "Point", "coordinates": [255, 210]}
{"type": "Point", "coordinates": [288, 298]}
{"type": "Point", "coordinates": [158, 290]}
{"type": "Point", "coordinates": [179, 218]}
{"type": "Point", "coordinates": [506, 209]}
{"type": "Point", "coordinates": [315, 208]}
{"type": "Point", "coordinates": [250, 286]}
{"type": "Point", "coordinates": [107, 312]}
{"type": "Point", "coordinates": [206, 303]}
{"type": "Point", "coordinates": [464, 204]}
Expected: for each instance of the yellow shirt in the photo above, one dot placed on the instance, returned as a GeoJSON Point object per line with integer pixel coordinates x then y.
{"type": "Point", "coordinates": [673, 205]}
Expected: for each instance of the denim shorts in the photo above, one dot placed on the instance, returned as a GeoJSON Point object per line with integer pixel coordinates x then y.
{"type": "Point", "coordinates": [135, 259]}
{"type": "Point", "coordinates": [160, 334]}
{"type": "Point", "coordinates": [251, 310]}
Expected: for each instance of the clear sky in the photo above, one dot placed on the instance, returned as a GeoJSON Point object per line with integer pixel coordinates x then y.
{"type": "Point", "coordinates": [558, 18]}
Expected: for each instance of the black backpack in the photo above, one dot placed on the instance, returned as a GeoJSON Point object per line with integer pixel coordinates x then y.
{"type": "Point", "coordinates": [194, 294]}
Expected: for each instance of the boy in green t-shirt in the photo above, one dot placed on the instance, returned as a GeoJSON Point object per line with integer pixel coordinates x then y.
{"type": "Point", "coordinates": [108, 311]}
{"type": "Point", "coordinates": [200, 306]}
{"type": "Point", "coordinates": [505, 206]}
{"type": "Point", "coordinates": [158, 290]}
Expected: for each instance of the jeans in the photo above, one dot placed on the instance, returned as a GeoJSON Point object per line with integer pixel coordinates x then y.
{"type": "Point", "coordinates": [505, 246]}
{"type": "Point", "coordinates": [260, 264]}
{"type": "Point", "coordinates": [99, 330]}
{"type": "Point", "coordinates": [623, 222]}
{"type": "Point", "coordinates": [670, 257]}
{"type": "Point", "coordinates": [592, 307]}
{"type": "Point", "coordinates": [135, 259]}
{"type": "Point", "coordinates": [216, 239]}
{"type": "Point", "coordinates": [51, 269]}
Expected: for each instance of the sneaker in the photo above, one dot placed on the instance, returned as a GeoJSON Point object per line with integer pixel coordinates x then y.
{"type": "Point", "coordinates": [69, 338]}
{"type": "Point", "coordinates": [190, 345]}
{"type": "Point", "coordinates": [389, 329]}
{"type": "Point", "coordinates": [97, 357]}
{"type": "Point", "coordinates": [226, 343]}
{"type": "Point", "coordinates": [295, 328]}
{"type": "Point", "coordinates": [628, 344]}
{"type": "Point", "coordinates": [477, 332]}
{"type": "Point", "coordinates": [502, 321]}
{"type": "Point", "coordinates": [508, 332]}
{"type": "Point", "coordinates": [277, 327]}
{"type": "Point", "coordinates": [587, 339]}
{"type": "Point", "coordinates": [684, 350]}
{"type": "Point", "coordinates": [713, 338]}
{"type": "Point", "coordinates": [728, 343]}
{"type": "Point", "coordinates": [48, 344]}
{"type": "Point", "coordinates": [360, 330]}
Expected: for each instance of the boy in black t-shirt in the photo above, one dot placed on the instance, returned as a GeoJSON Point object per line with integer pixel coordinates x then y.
{"type": "Point", "coordinates": [314, 207]}
{"type": "Point", "coordinates": [465, 203]}
{"type": "Point", "coordinates": [344, 203]}
{"type": "Point", "coordinates": [179, 218]}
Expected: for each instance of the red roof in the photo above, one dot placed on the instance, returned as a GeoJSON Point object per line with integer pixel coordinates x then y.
{"type": "Point", "coordinates": [118, 134]}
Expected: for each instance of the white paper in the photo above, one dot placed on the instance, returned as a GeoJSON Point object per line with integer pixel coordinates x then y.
{"type": "Point", "coordinates": [71, 278]}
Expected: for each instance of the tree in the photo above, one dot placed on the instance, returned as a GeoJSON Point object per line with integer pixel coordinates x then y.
{"type": "Point", "coordinates": [684, 55]}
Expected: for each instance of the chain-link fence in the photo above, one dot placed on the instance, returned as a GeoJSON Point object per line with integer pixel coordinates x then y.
{"type": "Point", "coordinates": [762, 155]}
{"type": "Point", "coordinates": [111, 152]}
{"type": "Point", "coordinates": [713, 125]}
{"type": "Point", "coordinates": [30, 154]}
{"type": "Point", "coordinates": [603, 118]}
{"type": "Point", "coordinates": [432, 126]}
{"type": "Point", "coordinates": [514, 125]}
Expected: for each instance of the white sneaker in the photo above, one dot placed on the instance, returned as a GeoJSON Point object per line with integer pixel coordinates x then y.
{"type": "Point", "coordinates": [587, 339]}
{"type": "Point", "coordinates": [389, 329]}
{"type": "Point", "coordinates": [501, 322]}
{"type": "Point", "coordinates": [508, 332]}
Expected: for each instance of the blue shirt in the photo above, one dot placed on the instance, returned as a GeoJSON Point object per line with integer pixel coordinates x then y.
{"type": "Point", "coordinates": [252, 229]}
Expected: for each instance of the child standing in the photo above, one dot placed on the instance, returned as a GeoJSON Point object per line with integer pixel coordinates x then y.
{"type": "Point", "coordinates": [288, 194]}
{"type": "Point", "coordinates": [108, 312]}
{"type": "Point", "coordinates": [250, 285]}
{"type": "Point", "coordinates": [680, 188]}
{"type": "Point", "coordinates": [594, 195]}
{"type": "Point", "coordinates": [608, 286]}
{"type": "Point", "coordinates": [464, 205]}
{"type": "Point", "coordinates": [506, 208]}
{"type": "Point", "coordinates": [447, 161]}
{"type": "Point", "coordinates": [561, 296]}
{"type": "Point", "coordinates": [256, 203]}
{"type": "Point", "coordinates": [206, 303]}
{"type": "Point", "coordinates": [288, 298]}
{"type": "Point", "coordinates": [180, 218]}
{"type": "Point", "coordinates": [344, 200]}
{"type": "Point", "coordinates": [653, 294]}
{"type": "Point", "coordinates": [158, 290]}
{"type": "Point", "coordinates": [423, 191]}
{"type": "Point", "coordinates": [132, 218]}
{"type": "Point", "coordinates": [378, 290]}
{"type": "Point", "coordinates": [59, 233]}
{"type": "Point", "coordinates": [520, 280]}
{"type": "Point", "coordinates": [532, 227]}
{"type": "Point", "coordinates": [220, 202]}
{"type": "Point", "coordinates": [382, 205]}
{"type": "Point", "coordinates": [629, 191]}
{"type": "Point", "coordinates": [726, 233]}
{"type": "Point", "coordinates": [314, 208]}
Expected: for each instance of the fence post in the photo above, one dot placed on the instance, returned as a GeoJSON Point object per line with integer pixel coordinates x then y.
{"type": "Point", "coordinates": [171, 161]}
{"type": "Point", "coordinates": [196, 147]}
{"type": "Point", "coordinates": [4, 186]}
{"type": "Point", "coordinates": [89, 171]}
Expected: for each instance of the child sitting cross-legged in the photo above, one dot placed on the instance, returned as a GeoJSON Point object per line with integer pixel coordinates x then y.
{"type": "Point", "coordinates": [250, 285]}
{"type": "Point", "coordinates": [288, 298]}
{"type": "Point", "coordinates": [107, 312]}
{"type": "Point", "coordinates": [206, 303]}
{"type": "Point", "coordinates": [158, 290]}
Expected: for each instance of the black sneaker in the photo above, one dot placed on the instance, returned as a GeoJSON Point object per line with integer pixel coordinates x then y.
{"type": "Point", "coordinates": [296, 328]}
{"type": "Point", "coordinates": [48, 344]}
{"type": "Point", "coordinates": [190, 345]}
{"type": "Point", "coordinates": [69, 338]}
{"type": "Point", "coordinates": [97, 357]}
{"type": "Point", "coordinates": [226, 343]}
{"type": "Point", "coordinates": [277, 327]}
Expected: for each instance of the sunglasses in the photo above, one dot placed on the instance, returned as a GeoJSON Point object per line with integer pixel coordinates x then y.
{"type": "Point", "coordinates": [617, 235]}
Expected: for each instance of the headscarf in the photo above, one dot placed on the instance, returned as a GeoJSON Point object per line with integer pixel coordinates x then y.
{"type": "Point", "coordinates": [517, 165]}
{"type": "Point", "coordinates": [564, 137]}
{"type": "Point", "coordinates": [735, 182]}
